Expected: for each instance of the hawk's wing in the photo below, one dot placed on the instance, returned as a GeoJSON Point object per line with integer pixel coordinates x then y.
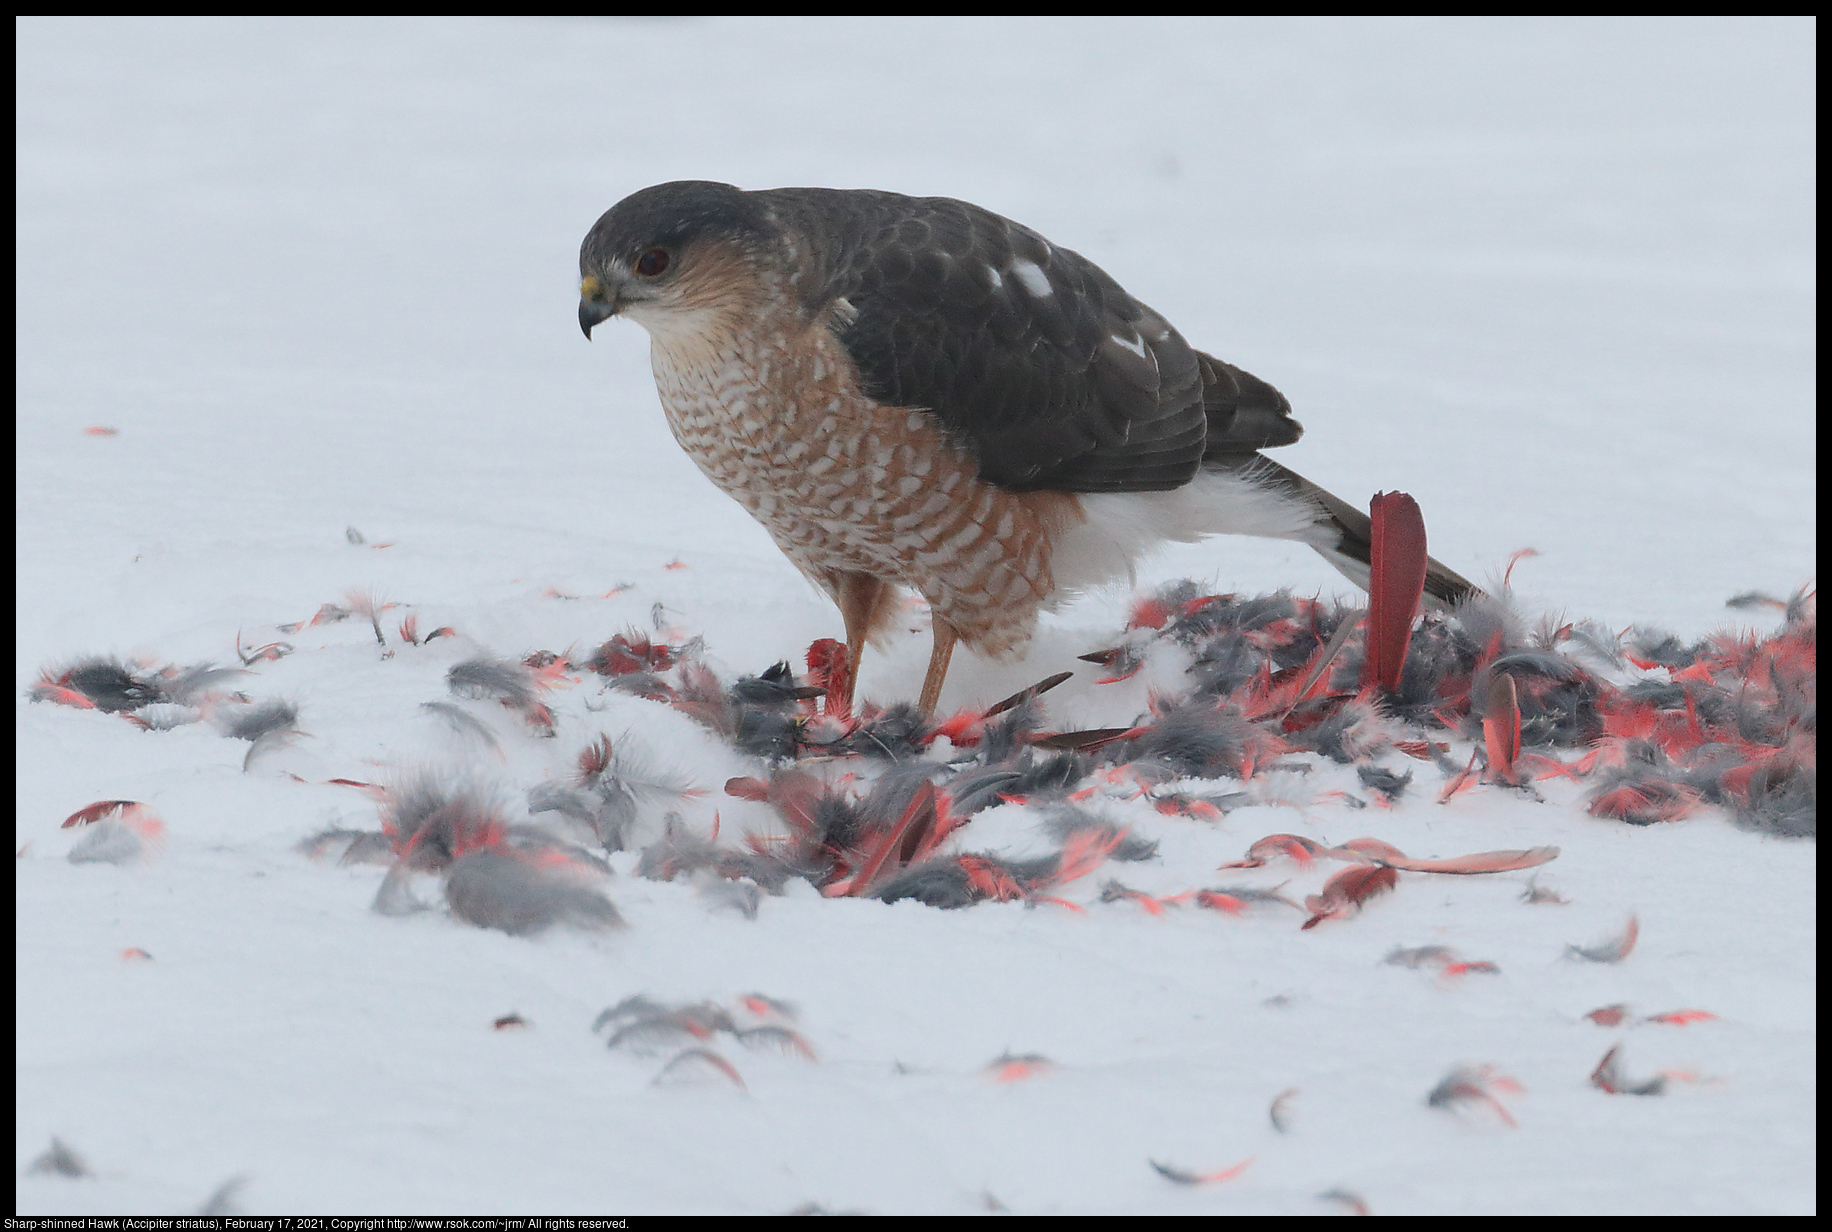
{"type": "Point", "coordinates": [1029, 353]}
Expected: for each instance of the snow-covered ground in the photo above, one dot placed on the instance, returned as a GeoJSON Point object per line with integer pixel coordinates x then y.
{"type": "Point", "coordinates": [1552, 277]}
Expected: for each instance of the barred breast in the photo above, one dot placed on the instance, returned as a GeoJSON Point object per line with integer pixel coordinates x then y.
{"type": "Point", "coordinates": [773, 415]}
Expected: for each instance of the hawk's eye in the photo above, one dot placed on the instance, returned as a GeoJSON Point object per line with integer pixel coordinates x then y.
{"type": "Point", "coordinates": [652, 263]}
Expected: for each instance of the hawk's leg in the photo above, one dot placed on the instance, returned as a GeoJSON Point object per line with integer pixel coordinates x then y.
{"type": "Point", "coordinates": [945, 637]}
{"type": "Point", "coordinates": [861, 598]}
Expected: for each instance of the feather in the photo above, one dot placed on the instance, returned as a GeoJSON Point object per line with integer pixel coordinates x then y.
{"type": "Point", "coordinates": [695, 1065]}
{"type": "Point", "coordinates": [1347, 891]}
{"type": "Point", "coordinates": [1397, 567]}
{"type": "Point", "coordinates": [1474, 1086]}
{"type": "Point", "coordinates": [1613, 950]}
{"type": "Point", "coordinates": [1182, 1176]}
{"type": "Point", "coordinates": [60, 1160]}
{"type": "Point", "coordinates": [1608, 1076]}
{"type": "Point", "coordinates": [133, 834]}
{"type": "Point", "coordinates": [521, 895]}
{"type": "Point", "coordinates": [255, 722]}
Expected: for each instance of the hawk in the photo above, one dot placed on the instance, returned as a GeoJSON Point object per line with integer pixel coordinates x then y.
{"type": "Point", "coordinates": [916, 392]}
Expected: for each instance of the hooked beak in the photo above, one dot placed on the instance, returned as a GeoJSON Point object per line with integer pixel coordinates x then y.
{"type": "Point", "coordinates": [595, 305]}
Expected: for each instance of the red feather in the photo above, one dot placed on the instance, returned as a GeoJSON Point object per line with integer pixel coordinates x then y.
{"type": "Point", "coordinates": [1501, 728]}
{"type": "Point", "coordinates": [1396, 566]}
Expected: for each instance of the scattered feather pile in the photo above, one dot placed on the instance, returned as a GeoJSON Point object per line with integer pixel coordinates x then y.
{"type": "Point", "coordinates": [497, 874]}
{"type": "Point", "coordinates": [877, 802]}
{"type": "Point", "coordinates": [886, 803]}
{"type": "Point", "coordinates": [1663, 726]}
{"type": "Point", "coordinates": [1659, 728]}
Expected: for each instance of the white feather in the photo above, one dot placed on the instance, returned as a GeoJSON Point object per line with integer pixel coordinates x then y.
{"type": "Point", "coordinates": [1034, 279]}
{"type": "Point", "coordinates": [1121, 527]}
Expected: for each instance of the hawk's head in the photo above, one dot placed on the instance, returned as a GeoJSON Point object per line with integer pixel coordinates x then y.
{"type": "Point", "coordinates": [667, 254]}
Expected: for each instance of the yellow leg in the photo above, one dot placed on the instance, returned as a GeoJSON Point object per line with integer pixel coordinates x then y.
{"type": "Point", "coordinates": [860, 597]}
{"type": "Point", "coordinates": [945, 637]}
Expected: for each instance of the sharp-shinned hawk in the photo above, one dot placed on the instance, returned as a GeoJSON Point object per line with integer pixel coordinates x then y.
{"type": "Point", "coordinates": [916, 392]}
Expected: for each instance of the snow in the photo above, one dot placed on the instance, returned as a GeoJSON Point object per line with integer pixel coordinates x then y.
{"type": "Point", "coordinates": [1551, 276]}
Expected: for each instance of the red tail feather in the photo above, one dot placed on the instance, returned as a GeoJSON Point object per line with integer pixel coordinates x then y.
{"type": "Point", "coordinates": [1395, 584]}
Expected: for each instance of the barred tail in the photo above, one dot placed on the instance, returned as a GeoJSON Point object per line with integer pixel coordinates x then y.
{"type": "Point", "coordinates": [1347, 539]}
